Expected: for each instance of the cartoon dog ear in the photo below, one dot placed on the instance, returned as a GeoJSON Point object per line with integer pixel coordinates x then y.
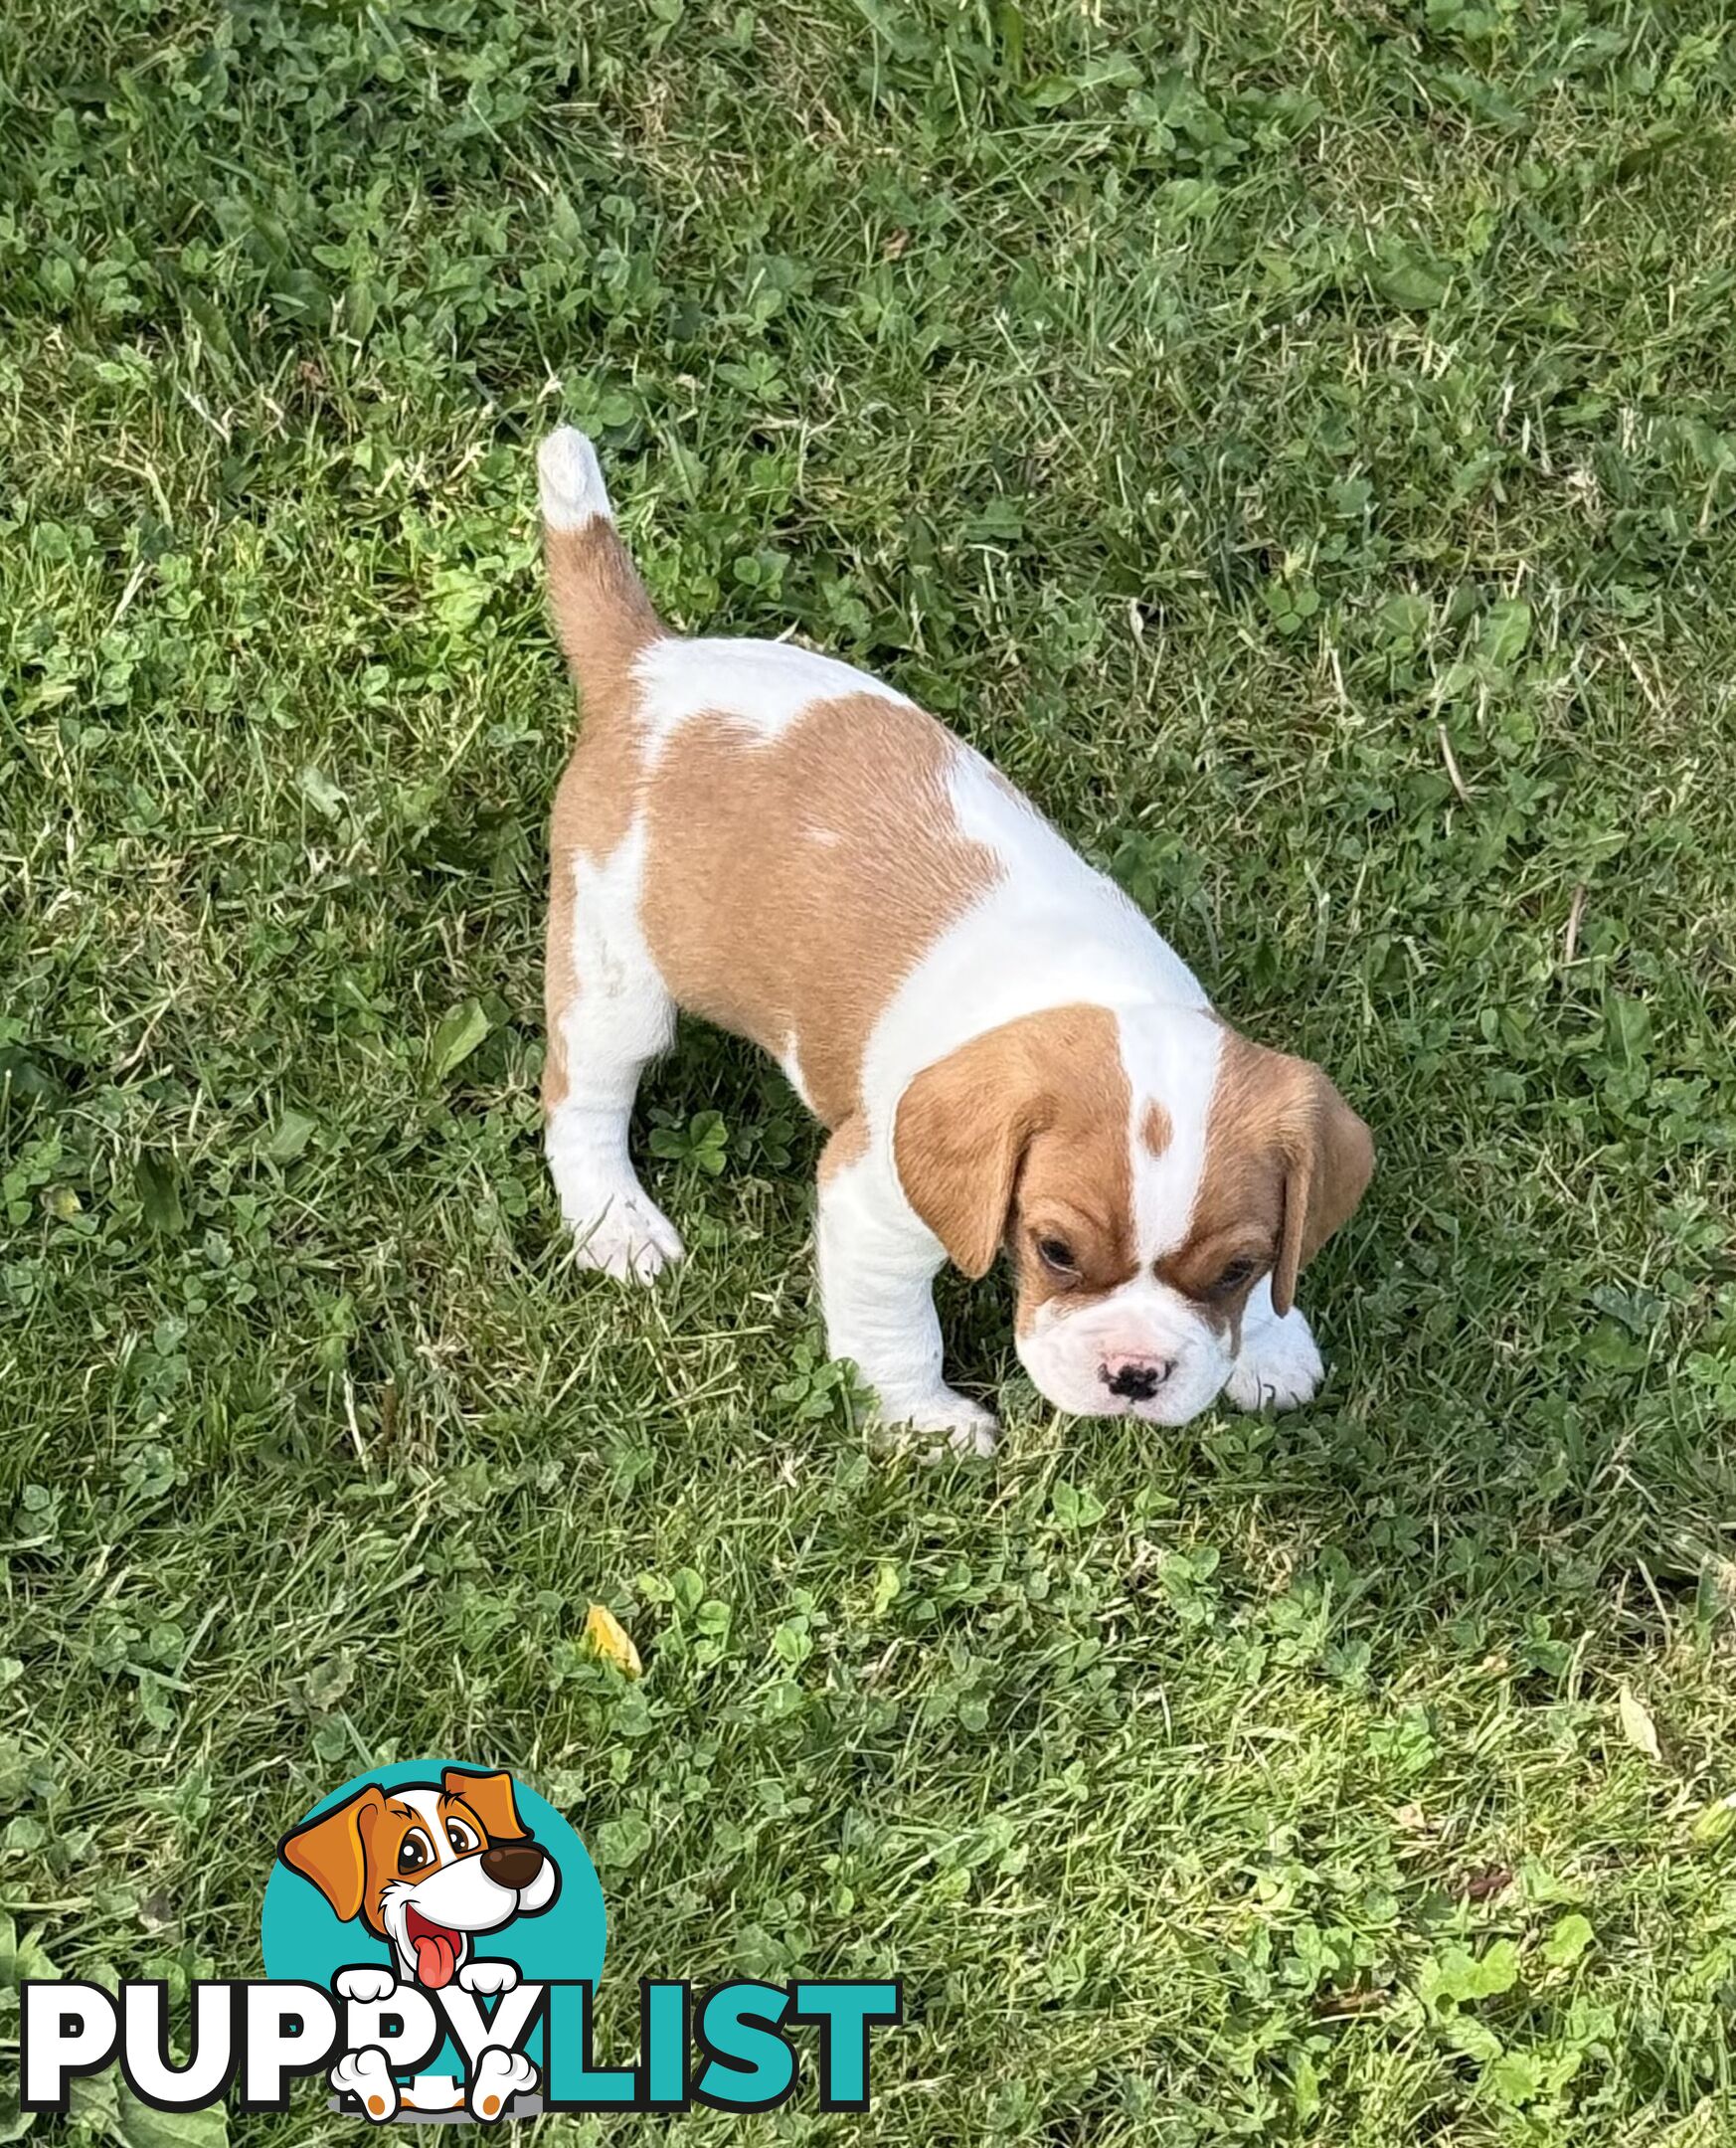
{"type": "Point", "coordinates": [331, 1849]}
{"type": "Point", "coordinates": [489, 1797]}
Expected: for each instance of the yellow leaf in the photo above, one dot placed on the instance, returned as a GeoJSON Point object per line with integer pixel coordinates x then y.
{"type": "Point", "coordinates": [1636, 1725]}
{"type": "Point", "coordinates": [612, 1640]}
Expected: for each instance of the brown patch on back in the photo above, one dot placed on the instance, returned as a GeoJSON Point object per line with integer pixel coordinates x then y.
{"type": "Point", "coordinates": [792, 883]}
{"type": "Point", "coordinates": [605, 622]}
{"type": "Point", "coordinates": [1023, 1131]}
{"type": "Point", "coordinates": [1285, 1164]}
{"type": "Point", "coordinates": [1155, 1128]}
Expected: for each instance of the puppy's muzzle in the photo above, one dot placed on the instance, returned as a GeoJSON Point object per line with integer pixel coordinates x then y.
{"type": "Point", "coordinates": [513, 1865]}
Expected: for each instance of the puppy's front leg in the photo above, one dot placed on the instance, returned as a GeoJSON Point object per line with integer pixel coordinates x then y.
{"type": "Point", "coordinates": [876, 1267]}
{"type": "Point", "coordinates": [1278, 1364]}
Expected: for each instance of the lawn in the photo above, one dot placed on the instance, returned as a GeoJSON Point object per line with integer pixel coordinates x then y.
{"type": "Point", "coordinates": [1297, 444]}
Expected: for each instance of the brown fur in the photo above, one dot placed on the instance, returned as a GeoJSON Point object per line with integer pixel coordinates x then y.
{"type": "Point", "coordinates": [487, 1799]}
{"type": "Point", "coordinates": [1022, 1133]}
{"type": "Point", "coordinates": [1286, 1161]}
{"type": "Point", "coordinates": [757, 849]}
{"type": "Point", "coordinates": [792, 885]}
{"type": "Point", "coordinates": [1155, 1130]}
{"type": "Point", "coordinates": [604, 621]}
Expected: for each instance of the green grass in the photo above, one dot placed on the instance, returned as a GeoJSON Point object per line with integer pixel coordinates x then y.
{"type": "Point", "coordinates": [1295, 442]}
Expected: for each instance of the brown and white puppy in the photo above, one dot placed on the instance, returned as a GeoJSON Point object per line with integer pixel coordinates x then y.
{"type": "Point", "coordinates": [1004, 1050]}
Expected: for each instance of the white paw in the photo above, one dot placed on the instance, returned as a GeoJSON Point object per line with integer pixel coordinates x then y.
{"type": "Point", "coordinates": [488, 1977]}
{"type": "Point", "coordinates": [365, 2075]}
{"type": "Point", "coordinates": [623, 1234]}
{"type": "Point", "coordinates": [1279, 1366]}
{"type": "Point", "coordinates": [366, 1984]}
{"type": "Point", "coordinates": [499, 2077]}
{"type": "Point", "coordinates": [964, 1427]}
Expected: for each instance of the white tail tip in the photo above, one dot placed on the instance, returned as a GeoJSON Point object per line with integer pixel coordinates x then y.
{"type": "Point", "coordinates": [570, 481]}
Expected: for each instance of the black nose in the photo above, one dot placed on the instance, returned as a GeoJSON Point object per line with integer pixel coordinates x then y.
{"type": "Point", "coordinates": [1135, 1382]}
{"type": "Point", "coordinates": [513, 1863]}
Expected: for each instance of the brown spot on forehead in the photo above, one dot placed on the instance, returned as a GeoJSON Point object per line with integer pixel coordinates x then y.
{"type": "Point", "coordinates": [1154, 1128]}
{"type": "Point", "coordinates": [1285, 1164]}
{"type": "Point", "coordinates": [792, 883]}
{"type": "Point", "coordinates": [1238, 1210]}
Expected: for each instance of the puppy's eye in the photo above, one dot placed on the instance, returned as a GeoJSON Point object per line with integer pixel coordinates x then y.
{"type": "Point", "coordinates": [1233, 1277]}
{"type": "Point", "coordinates": [463, 1839]}
{"type": "Point", "coordinates": [1057, 1256]}
{"type": "Point", "coordinates": [415, 1852]}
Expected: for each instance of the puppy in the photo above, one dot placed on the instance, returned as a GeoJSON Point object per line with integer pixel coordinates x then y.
{"type": "Point", "coordinates": [1004, 1051]}
{"type": "Point", "coordinates": [426, 1868]}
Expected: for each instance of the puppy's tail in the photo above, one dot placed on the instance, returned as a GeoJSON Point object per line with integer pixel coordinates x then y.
{"type": "Point", "coordinates": [602, 613]}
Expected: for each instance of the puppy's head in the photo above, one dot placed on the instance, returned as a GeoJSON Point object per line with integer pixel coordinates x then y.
{"type": "Point", "coordinates": [1148, 1170]}
{"type": "Point", "coordinates": [425, 1865]}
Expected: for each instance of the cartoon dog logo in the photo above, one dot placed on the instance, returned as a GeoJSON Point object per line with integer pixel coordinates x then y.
{"type": "Point", "coordinates": [427, 1868]}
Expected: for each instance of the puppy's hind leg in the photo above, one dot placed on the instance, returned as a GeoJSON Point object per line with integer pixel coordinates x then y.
{"type": "Point", "coordinates": [499, 2077]}
{"type": "Point", "coordinates": [366, 2076]}
{"type": "Point", "coordinates": [607, 1015]}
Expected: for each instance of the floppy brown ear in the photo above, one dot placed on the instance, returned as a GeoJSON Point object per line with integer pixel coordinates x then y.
{"type": "Point", "coordinates": [959, 1138]}
{"type": "Point", "coordinates": [489, 1797]}
{"type": "Point", "coordinates": [1329, 1158]}
{"type": "Point", "coordinates": [331, 1850]}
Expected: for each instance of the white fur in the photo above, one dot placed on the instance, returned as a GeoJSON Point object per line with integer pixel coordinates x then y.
{"type": "Point", "coordinates": [877, 1265]}
{"type": "Point", "coordinates": [365, 2073]}
{"type": "Point", "coordinates": [764, 685]}
{"type": "Point", "coordinates": [455, 1891]}
{"type": "Point", "coordinates": [1171, 1056]}
{"type": "Point", "coordinates": [365, 1983]}
{"type": "Point", "coordinates": [500, 2074]}
{"type": "Point", "coordinates": [1050, 933]}
{"type": "Point", "coordinates": [1280, 1364]}
{"type": "Point", "coordinates": [569, 480]}
{"type": "Point", "coordinates": [618, 1017]}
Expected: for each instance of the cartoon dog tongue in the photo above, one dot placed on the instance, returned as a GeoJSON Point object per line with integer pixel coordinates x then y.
{"type": "Point", "coordinates": [437, 1955]}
